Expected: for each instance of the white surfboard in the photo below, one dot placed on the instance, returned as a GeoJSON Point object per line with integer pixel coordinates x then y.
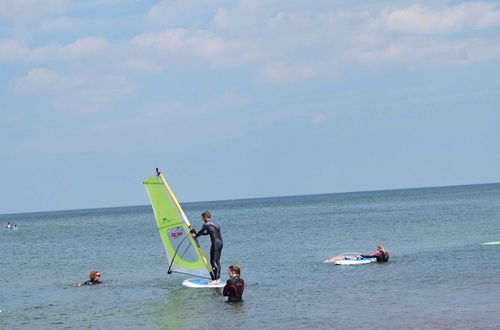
{"type": "Point", "coordinates": [202, 283]}
{"type": "Point", "coordinates": [492, 243]}
{"type": "Point", "coordinates": [345, 255]}
{"type": "Point", "coordinates": [355, 261]}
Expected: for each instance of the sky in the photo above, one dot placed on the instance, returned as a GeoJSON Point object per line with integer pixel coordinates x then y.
{"type": "Point", "coordinates": [243, 98]}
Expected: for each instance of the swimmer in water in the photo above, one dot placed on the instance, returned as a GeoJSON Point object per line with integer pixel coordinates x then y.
{"type": "Point", "coordinates": [94, 278]}
{"type": "Point", "coordinates": [213, 229]}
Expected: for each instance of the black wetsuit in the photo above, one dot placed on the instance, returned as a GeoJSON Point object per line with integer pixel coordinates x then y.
{"type": "Point", "coordinates": [382, 256]}
{"type": "Point", "coordinates": [213, 229]}
{"type": "Point", "coordinates": [89, 282]}
{"type": "Point", "coordinates": [234, 289]}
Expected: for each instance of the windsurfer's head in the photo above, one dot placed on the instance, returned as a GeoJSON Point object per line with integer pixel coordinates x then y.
{"type": "Point", "coordinates": [205, 216]}
{"type": "Point", "coordinates": [380, 247]}
{"type": "Point", "coordinates": [234, 270]}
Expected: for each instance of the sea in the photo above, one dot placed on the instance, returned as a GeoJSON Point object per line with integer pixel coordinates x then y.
{"type": "Point", "coordinates": [439, 275]}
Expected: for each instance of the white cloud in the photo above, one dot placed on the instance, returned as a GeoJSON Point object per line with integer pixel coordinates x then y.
{"type": "Point", "coordinates": [144, 66]}
{"type": "Point", "coordinates": [84, 47]}
{"type": "Point", "coordinates": [288, 72]}
{"type": "Point", "coordinates": [76, 93]}
{"type": "Point", "coordinates": [42, 80]}
{"type": "Point", "coordinates": [61, 24]}
{"type": "Point", "coordinates": [281, 43]}
{"type": "Point", "coordinates": [299, 42]}
{"type": "Point", "coordinates": [12, 50]}
{"type": "Point", "coordinates": [199, 43]}
{"type": "Point", "coordinates": [182, 13]}
{"type": "Point", "coordinates": [14, 10]}
{"type": "Point", "coordinates": [421, 19]}
{"type": "Point", "coordinates": [96, 94]}
{"type": "Point", "coordinates": [424, 52]}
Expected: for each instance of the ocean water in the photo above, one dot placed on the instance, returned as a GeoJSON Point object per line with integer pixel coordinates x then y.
{"type": "Point", "coordinates": [439, 275]}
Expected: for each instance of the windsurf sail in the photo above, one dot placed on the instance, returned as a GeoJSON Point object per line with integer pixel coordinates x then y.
{"type": "Point", "coordinates": [184, 254]}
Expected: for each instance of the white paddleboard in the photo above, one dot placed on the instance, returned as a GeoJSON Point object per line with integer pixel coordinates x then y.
{"type": "Point", "coordinates": [202, 283]}
{"type": "Point", "coordinates": [492, 243]}
{"type": "Point", "coordinates": [355, 261]}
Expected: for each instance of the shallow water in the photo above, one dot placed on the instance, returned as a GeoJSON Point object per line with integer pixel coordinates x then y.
{"type": "Point", "coordinates": [439, 275]}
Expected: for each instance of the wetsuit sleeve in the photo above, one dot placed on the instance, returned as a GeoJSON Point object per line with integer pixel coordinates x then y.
{"type": "Point", "coordinates": [374, 255]}
{"type": "Point", "coordinates": [203, 230]}
{"type": "Point", "coordinates": [227, 287]}
{"type": "Point", "coordinates": [242, 286]}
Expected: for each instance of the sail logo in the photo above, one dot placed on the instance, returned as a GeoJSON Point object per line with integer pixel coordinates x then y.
{"type": "Point", "coordinates": [165, 220]}
{"type": "Point", "coordinates": [177, 233]}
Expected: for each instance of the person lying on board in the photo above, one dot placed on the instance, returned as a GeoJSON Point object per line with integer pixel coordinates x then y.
{"type": "Point", "coordinates": [235, 285]}
{"type": "Point", "coordinates": [381, 254]}
{"type": "Point", "coordinates": [212, 229]}
{"type": "Point", "coordinates": [94, 278]}
{"type": "Point", "coordinates": [11, 225]}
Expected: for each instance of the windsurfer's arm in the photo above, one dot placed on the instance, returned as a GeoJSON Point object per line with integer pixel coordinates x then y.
{"type": "Point", "coordinates": [203, 231]}
{"type": "Point", "coordinates": [86, 283]}
{"type": "Point", "coordinates": [374, 255]}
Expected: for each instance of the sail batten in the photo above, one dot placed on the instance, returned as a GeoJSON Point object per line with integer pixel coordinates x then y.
{"type": "Point", "coordinates": [183, 253]}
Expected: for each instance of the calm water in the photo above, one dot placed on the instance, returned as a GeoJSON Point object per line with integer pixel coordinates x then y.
{"type": "Point", "coordinates": [439, 275]}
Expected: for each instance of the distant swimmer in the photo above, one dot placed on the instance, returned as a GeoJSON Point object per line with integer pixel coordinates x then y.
{"type": "Point", "coordinates": [235, 285]}
{"type": "Point", "coordinates": [94, 278]}
{"type": "Point", "coordinates": [381, 254]}
{"type": "Point", "coordinates": [212, 229]}
{"type": "Point", "coordinates": [11, 226]}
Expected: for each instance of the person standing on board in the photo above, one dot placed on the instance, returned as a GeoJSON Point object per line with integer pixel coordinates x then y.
{"type": "Point", "coordinates": [381, 255]}
{"type": "Point", "coordinates": [235, 285]}
{"type": "Point", "coordinates": [212, 229]}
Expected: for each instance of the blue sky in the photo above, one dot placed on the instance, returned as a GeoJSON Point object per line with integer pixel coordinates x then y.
{"type": "Point", "coordinates": [241, 99]}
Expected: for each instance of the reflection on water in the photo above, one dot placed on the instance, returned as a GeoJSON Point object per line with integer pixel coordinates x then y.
{"type": "Point", "coordinates": [186, 307]}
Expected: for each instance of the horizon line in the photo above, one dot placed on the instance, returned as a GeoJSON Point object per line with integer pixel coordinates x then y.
{"type": "Point", "coordinates": [255, 198]}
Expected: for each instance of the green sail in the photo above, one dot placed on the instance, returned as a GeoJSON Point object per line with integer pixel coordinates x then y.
{"type": "Point", "coordinates": [184, 255]}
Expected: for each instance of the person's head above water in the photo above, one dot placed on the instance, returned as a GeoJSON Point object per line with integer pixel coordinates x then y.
{"type": "Point", "coordinates": [206, 216]}
{"type": "Point", "coordinates": [380, 247]}
{"type": "Point", "coordinates": [95, 275]}
{"type": "Point", "coordinates": [234, 270]}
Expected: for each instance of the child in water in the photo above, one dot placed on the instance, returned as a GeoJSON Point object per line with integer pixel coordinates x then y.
{"type": "Point", "coordinates": [235, 285]}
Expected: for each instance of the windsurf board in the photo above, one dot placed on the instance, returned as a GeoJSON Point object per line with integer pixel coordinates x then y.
{"type": "Point", "coordinates": [355, 261]}
{"type": "Point", "coordinates": [202, 283]}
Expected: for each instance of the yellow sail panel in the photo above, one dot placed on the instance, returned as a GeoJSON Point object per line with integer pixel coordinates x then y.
{"type": "Point", "coordinates": [184, 255]}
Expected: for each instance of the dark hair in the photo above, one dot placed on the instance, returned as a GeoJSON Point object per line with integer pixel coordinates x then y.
{"type": "Point", "coordinates": [207, 214]}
